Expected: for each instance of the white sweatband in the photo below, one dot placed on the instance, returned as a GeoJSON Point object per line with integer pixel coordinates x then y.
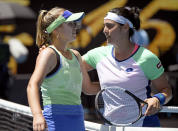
{"type": "Point", "coordinates": [119, 19]}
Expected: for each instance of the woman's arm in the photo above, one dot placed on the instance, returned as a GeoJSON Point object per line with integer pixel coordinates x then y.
{"type": "Point", "coordinates": [88, 87]}
{"type": "Point", "coordinates": [162, 86]}
{"type": "Point", "coordinates": [86, 65]}
{"type": "Point", "coordinates": [44, 64]}
{"type": "Point", "coordinates": [165, 92]}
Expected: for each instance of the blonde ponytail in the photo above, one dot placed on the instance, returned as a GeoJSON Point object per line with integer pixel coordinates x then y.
{"type": "Point", "coordinates": [45, 18]}
{"type": "Point", "coordinates": [41, 36]}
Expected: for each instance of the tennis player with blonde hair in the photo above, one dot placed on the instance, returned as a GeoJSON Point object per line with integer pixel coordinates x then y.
{"type": "Point", "coordinates": [58, 73]}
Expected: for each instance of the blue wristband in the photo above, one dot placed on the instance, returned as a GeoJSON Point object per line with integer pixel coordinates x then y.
{"type": "Point", "coordinates": [160, 97]}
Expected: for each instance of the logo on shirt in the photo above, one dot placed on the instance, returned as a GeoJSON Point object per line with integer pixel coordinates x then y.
{"type": "Point", "coordinates": [159, 65]}
{"type": "Point", "coordinates": [129, 69]}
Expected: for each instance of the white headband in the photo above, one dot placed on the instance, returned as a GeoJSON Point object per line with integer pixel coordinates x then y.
{"type": "Point", "coordinates": [118, 19]}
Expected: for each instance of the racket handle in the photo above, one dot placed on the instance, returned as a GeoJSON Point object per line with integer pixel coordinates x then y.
{"type": "Point", "coordinates": [169, 109]}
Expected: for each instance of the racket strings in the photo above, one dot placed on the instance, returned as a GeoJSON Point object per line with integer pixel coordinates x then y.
{"type": "Point", "coordinates": [122, 115]}
{"type": "Point", "coordinates": [120, 108]}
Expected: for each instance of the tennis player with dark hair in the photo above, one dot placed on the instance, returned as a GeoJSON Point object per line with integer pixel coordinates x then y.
{"type": "Point", "coordinates": [125, 64]}
{"type": "Point", "coordinates": [58, 73]}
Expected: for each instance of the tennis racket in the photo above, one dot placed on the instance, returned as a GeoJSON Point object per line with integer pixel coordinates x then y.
{"type": "Point", "coordinates": [119, 107]}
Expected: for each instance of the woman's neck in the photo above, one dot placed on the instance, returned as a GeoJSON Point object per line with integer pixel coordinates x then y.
{"type": "Point", "coordinates": [60, 45]}
{"type": "Point", "coordinates": [123, 51]}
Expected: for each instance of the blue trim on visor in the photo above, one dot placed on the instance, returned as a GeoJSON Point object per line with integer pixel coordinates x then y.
{"type": "Point", "coordinates": [66, 14]}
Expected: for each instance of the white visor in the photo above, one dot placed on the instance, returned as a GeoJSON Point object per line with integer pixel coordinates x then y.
{"type": "Point", "coordinates": [119, 19]}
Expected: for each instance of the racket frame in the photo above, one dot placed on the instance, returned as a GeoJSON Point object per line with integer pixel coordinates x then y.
{"type": "Point", "coordinates": [138, 101]}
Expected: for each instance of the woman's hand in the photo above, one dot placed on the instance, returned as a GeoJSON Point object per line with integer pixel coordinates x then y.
{"type": "Point", "coordinates": [39, 123]}
{"type": "Point", "coordinates": [42, 48]}
{"type": "Point", "coordinates": [153, 106]}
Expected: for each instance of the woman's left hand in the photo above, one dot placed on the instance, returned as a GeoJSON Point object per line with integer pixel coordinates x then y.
{"type": "Point", "coordinates": [153, 106]}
